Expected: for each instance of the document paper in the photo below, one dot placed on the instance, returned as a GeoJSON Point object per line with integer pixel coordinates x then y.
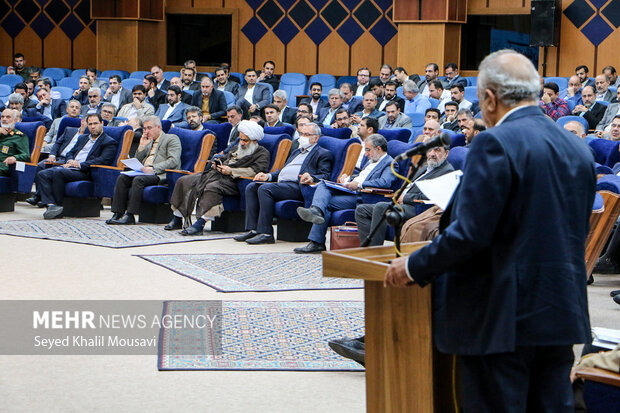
{"type": "Point", "coordinates": [439, 190]}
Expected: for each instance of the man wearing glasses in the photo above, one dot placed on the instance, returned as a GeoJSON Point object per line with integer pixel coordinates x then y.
{"type": "Point", "coordinates": [94, 102]}
{"type": "Point", "coordinates": [363, 78]}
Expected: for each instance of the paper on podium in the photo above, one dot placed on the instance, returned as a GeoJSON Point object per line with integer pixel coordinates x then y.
{"type": "Point", "coordinates": [439, 190]}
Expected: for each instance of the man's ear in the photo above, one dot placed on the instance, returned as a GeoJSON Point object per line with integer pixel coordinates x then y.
{"type": "Point", "coordinates": [490, 100]}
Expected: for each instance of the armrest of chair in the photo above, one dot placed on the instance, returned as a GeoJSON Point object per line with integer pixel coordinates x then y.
{"type": "Point", "coordinates": [599, 375]}
{"type": "Point", "coordinates": [115, 168]}
{"type": "Point", "coordinates": [179, 171]}
{"type": "Point", "coordinates": [378, 191]}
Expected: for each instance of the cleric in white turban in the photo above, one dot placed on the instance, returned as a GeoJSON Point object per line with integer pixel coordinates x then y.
{"type": "Point", "coordinates": [206, 190]}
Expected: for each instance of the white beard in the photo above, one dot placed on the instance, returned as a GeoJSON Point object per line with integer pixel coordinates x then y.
{"type": "Point", "coordinates": [8, 126]}
{"type": "Point", "coordinates": [249, 150]}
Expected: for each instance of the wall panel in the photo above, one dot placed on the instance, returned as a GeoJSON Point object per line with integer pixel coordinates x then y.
{"type": "Point", "coordinates": [366, 52]}
{"type": "Point", "coordinates": [270, 48]}
{"type": "Point", "coordinates": [334, 56]}
{"type": "Point", "coordinates": [85, 50]}
{"type": "Point", "coordinates": [304, 62]}
{"type": "Point", "coordinates": [29, 43]}
{"type": "Point", "coordinates": [6, 48]}
{"type": "Point", "coordinates": [57, 49]}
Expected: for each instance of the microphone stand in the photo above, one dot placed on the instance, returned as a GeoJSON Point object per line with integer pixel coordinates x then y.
{"type": "Point", "coordinates": [392, 214]}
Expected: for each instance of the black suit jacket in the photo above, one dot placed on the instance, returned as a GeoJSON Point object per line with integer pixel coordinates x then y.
{"type": "Point", "coordinates": [414, 192]}
{"type": "Point", "coordinates": [164, 85]}
{"type": "Point", "coordinates": [322, 104]}
{"type": "Point", "coordinates": [159, 98]}
{"type": "Point", "coordinates": [318, 164]}
{"type": "Point", "coordinates": [289, 115]}
{"type": "Point", "coordinates": [399, 101]}
{"type": "Point", "coordinates": [594, 115]}
{"type": "Point", "coordinates": [508, 266]}
{"type": "Point", "coordinates": [59, 108]}
{"type": "Point", "coordinates": [186, 97]}
{"type": "Point", "coordinates": [217, 103]}
{"type": "Point", "coordinates": [63, 140]}
{"type": "Point", "coordinates": [103, 151]}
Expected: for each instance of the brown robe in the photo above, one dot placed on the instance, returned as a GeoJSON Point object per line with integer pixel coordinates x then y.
{"type": "Point", "coordinates": [209, 188]}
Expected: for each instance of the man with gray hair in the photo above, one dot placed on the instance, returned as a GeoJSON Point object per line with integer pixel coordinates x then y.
{"type": "Point", "coordinates": [14, 145]}
{"type": "Point", "coordinates": [375, 172]}
{"type": "Point", "coordinates": [508, 262]}
{"type": "Point", "coordinates": [326, 114]}
{"type": "Point", "coordinates": [94, 102]}
{"type": "Point", "coordinates": [16, 102]}
{"type": "Point", "coordinates": [287, 114]}
{"type": "Point", "coordinates": [157, 151]}
{"type": "Point", "coordinates": [414, 101]}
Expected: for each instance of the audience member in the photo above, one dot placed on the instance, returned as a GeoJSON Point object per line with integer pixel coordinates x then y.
{"type": "Point", "coordinates": [117, 94]}
{"type": "Point", "coordinates": [73, 111]}
{"type": "Point", "coordinates": [612, 110]}
{"type": "Point", "coordinates": [205, 190]}
{"type": "Point", "coordinates": [174, 110]}
{"type": "Point", "coordinates": [577, 128]}
{"type": "Point", "coordinates": [369, 103]}
{"type": "Point", "coordinates": [385, 73]}
{"type": "Point", "coordinates": [185, 97]}
{"type": "Point", "coordinates": [448, 121]}
{"type": "Point", "coordinates": [414, 101]}
{"type": "Point", "coordinates": [154, 96]}
{"type": "Point", "coordinates": [267, 76]}
{"type": "Point", "coordinates": [107, 114]}
{"type": "Point", "coordinates": [457, 93]}
{"type": "Point", "coordinates": [252, 97]}
{"type": "Point", "coordinates": [550, 102]}
{"type": "Point", "coordinates": [343, 120]}
{"type": "Point", "coordinates": [223, 83]}
{"type": "Point", "coordinates": [430, 73]}
{"type": "Point", "coordinates": [375, 173]}
{"type": "Point", "coordinates": [138, 107]}
{"type": "Point", "coordinates": [22, 89]}
{"type": "Point", "coordinates": [451, 71]}
{"type": "Point", "coordinates": [187, 77]}
{"type": "Point", "coordinates": [350, 102]}
{"type": "Point", "coordinates": [582, 73]}
{"type": "Point", "coordinates": [363, 78]}
{"type": "Point", "coordinates": [91, 72]}
{"type": "Point", "coordinates": [612, 76]}
{"type": "Point", "coordinates": [326, 115]}
{"type": "Point", "coordinates": [162, 83]}
{"type": "Point", "coordinates": [81, 93]}
{"type": "Point", "coordinates": [315, 100]}
{"type": "Point", "coordinates": [287, 114]}
{"type": "Point", "coordinates": [14, 146]}
{"type": "Point", "coordinates": [211, 101]}
{"type": "Point", "coordinates": [94, 102]}
{"type": "Point", "coordinates": [308, 164]}
{"type": "Point", "coordinates": [602, 89]}
{"type": "Point", "coordinates": [393, 118]}
{"type": "Point", "coordinates": [590, 110]}
{"type": "Point", "coordinates": [48, 107]}
{"type": "Point", "coordinates": [157, 151]}
{"type": "Point", "coordinates": [272, 115]}
{"type": "Point", "coordinates": [96, 148]}
{"type": "Point", "coordinates": [19, 66]}
{"type": "Point", "coordinates": [391, 96]}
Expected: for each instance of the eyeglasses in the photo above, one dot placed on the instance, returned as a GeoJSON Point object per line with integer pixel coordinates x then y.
{"type": "Point", "coordinates": [302, 111]}
{"type": "Point", "coordinates": [107, 111]}
{"type": "Point", "coordinates": [93, 96]}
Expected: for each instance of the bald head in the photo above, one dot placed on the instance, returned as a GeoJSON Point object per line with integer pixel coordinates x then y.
{"type": "Point", "coordinates": [176, 81]}
{"type": "Point", "coordinates": [431, 128]}
{"type": "Point", "coordinates": [575, 127]}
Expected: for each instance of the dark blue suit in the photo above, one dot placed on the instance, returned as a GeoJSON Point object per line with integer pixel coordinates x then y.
{"type": "Point", "coordinates": [508, 266]}
{"type": "Point", "coordinates": [59, 108]}
{"type": "Point", "coordinates": [51, 182]}
{"type": "Point", "coordinates": [217, 103]}
{"type": "Point", "coordinates": [260, 199]}
{"type": "Point", "coordinates": [329, 200]}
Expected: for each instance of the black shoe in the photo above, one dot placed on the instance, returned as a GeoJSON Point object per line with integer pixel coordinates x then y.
{"type": "Point", "coordinates": [53, 211]}
{"type": "Point", "coordinates": [192, 231]}
{"type": "Point", "coordinates": [41, 204]}
{"type": "Point", "coordinates": [311, 248]}
{"type": "Point", "coordinates": [244, 237]}
{"type": "Point", "coordinates": [614, 293]}
{"type": "Point", "coordinates": [616, 299]}
{"type": "Point", "coordinates": [312, 214]}
{"type": "Point", "coordinates": [126, 219]}
{"type": "Point", "coordinates": [115, 217]}
{"type": "Point", "coordinates": [175, 223]}
{"type": "Point", "coordinates": [261, 239]}
{"type": "Point", "coordinates": [33, 200]}
{"type": "Point", "coordinates": [606, 265]}
{"type": "Point", "coordinates": [350, 348]}
{"type": "Point", "coordinates": [590, 280]}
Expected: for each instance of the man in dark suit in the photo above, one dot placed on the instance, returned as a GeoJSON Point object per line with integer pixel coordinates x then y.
{"type": "Point", "coordinates": [94, 102]}
{"type": "Point", "coordinates": [315, 100]}
{"type": "Point", "coordinates": [327, 115]}
{"type": "Point", "coordinates": [187, 77]}
{"type": "Point", "coordinates": [582, 73]}
{"type": "Point", "coordinates": [368, 216]}
{"type": "Point", "coordinates": [223, 83]}
{"type": "Point", "coordinates": [375, 173]}
{"type": "Point", "coordinates": [267, 76]}
{"type": "Point", "coordinates": [174, 110]}
{"type": "Point", "coordinates": [508, 268]}
{"type": "Point", "coordinates": [350, 102]}
{"type": "Point", "coordinates": [590, 110]}
{"type": "Point", "coordinates": [287, 114]}
{"type": "Point", "coordinates": [16, 102]}
{"type": "Point", "coordinates": [117, 94]}
{"type": "Point", "coordinates": [451, 70]}
{"type": "Point", "coordinates": [162, 83]}
{"type": "Point", "coordinates": [64, 143]}
{"type": "Point", "coordinates": [252, 97]}
{"type": "Point", "coordinates": [391, 96]}
{"type": "Point", "coordinates": [272, 115]}
{"type": "Point", "coordinates": [211, 101]}
{"type": "Point", "coordinates": [304, 166]}
{"type": "Point", "coordinates": [185, 97]}
{"type": "Point", "coordinates": [154, 96]}
{"type": "Point", "coordinates": [48, 107]}
{"type": "Point", "coordinates": [22, 89]}
{"type": "Point", "coordinates": [96, 148]}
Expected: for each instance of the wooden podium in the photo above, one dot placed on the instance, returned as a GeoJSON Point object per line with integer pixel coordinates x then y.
{"type": "Point", "coordinates": [403, 374]}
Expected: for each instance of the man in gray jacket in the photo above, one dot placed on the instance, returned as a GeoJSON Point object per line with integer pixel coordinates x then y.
{"type": "Point", "coordinates": [157, 151]}
{"type": "Point", "coordinates": [393, 118]}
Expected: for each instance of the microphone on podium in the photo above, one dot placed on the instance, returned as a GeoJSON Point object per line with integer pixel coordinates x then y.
{"type": "Point", "coordinates": [441, 140]}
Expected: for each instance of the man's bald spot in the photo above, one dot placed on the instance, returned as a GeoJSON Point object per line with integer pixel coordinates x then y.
{"type": "Point", "coordinates": [432, 123]}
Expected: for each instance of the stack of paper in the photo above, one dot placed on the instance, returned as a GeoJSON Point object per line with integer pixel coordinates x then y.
{"type": "Point", "coordinates": [605, 337]}
{"type": "Point", "coordinates": [135, 165]}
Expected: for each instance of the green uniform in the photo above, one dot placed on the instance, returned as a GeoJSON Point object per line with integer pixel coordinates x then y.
{"type": "Point", "coordinates": [15, 143]}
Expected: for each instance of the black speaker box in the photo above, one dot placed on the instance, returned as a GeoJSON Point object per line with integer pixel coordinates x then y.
{"type": "Point", "coordinates": [545, 22]}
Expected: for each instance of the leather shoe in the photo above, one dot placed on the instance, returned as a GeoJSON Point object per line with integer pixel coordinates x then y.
{"type": "Point", "coordinates": [246, 236]}
{"type": "Point", "coordinates": [311, 248]}
{"type": "Point", "coordinates": [175, 223]}
{"type": "Point", "coordinates": [124, 220]}
{"type": "Point", "coordinates": [350, 348]}
{"type": "Point", "coordinates": [192, 231]}
{"type": "Point", "coordinates": [606, 265]}
{"type": "Point", "coordinates": [115, 217]}
{"type": "Point", "coordinates": [616, 299]}
{"type": "Point", "coordinates": [614, 293]}
{"type": "Point", "coordinates": [312, 214]}
{"type": "Point", "coordinates": [33, 200]}
{"type": "Point", "coordinates": [54, 211]}
{"type": "Point", "coordinates": [261, 239]}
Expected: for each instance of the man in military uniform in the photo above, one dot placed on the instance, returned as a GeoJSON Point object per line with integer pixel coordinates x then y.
{"type": "Point", "coordinates": [14, 145]}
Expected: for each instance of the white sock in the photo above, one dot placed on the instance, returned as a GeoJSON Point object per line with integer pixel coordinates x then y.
{"type": "Point", "coordinates": [177, 213]}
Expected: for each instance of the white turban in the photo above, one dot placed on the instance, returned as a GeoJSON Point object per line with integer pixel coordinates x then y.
{"type": "Point", "coordinates": [251, 129]}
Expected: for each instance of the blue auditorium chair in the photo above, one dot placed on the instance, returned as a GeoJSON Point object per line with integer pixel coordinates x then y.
{"type": "Point", "coordinates": [233, 216]}
{"type": "Point", "coordinates": [352, 80]}
{"type": "Point", "coordinates": [417, 119]}
{"type": "Point", "coordinates": [472, 80]}
{"type": "Point", "coordinates": [107, 73]}
{"type": "Point", "coordinates": [195, 150]}
{"type": "Point", "coordinates": [290, 227]}
{"type": "Point", "coordinates": [339, 133]}
{"type": "Point", "coordinates": [278, 130]}
{"type": "Point", "coordinates": [457, 140]}
{"type": "Point", "coordinates": [230, 98]}
{"type": "Point", "coordinates": [170, 74]}
{"type": "Point", "coordinates": [605, 170]}
{"type": "Point", "coordinates": [326, 80]}
{"type": "Point", "coordinates": [166, 125]}
{"type": "Point", "coordinates": [471, 93]}
{"type": "Point", "coordinates": [139, 74]}
{"type": "Point", "coordinates": [239, 76]}
{"type": "Point", "coordinates": [20, 181]}
{"type": "Point", "coordinates": [130, 82]}
{"type": "Point", "coordinates": [562, 82]}
{"type": "Point", "coordinates": [457, 157]}
{"type": "Point", "coordinates": [222, 133]}
{"type": "Point", "coordinates": [293, 84]}
{"type": "Point", "coordinates": [601, 389]}
{"type": "Point", "coordinates": [11, 80]}
{"type": "Point", "coordinates": [83, 198]}
{"type": "Point", "coordinates": [54, 73]}
{"type": "Point", "coordinates": [72, 83]}
{"type": "Point", "coordinates": [66, 93]}
{"type": "Point", "coordinates": [434, 102]}
{"type": "Point", "coordinates": [5, 91]}
{"type": "Point", "coordinates": [399, 134]}
{"type": "Point", "coordinates": [606, 152]}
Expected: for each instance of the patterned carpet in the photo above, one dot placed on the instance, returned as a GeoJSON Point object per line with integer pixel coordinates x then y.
{"type": "Point", "coordinates": [96, 232]}
{"type": "Point", "coordinates": [265, 335]}
{"type": "Point", "coordinates": [253, 272]}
